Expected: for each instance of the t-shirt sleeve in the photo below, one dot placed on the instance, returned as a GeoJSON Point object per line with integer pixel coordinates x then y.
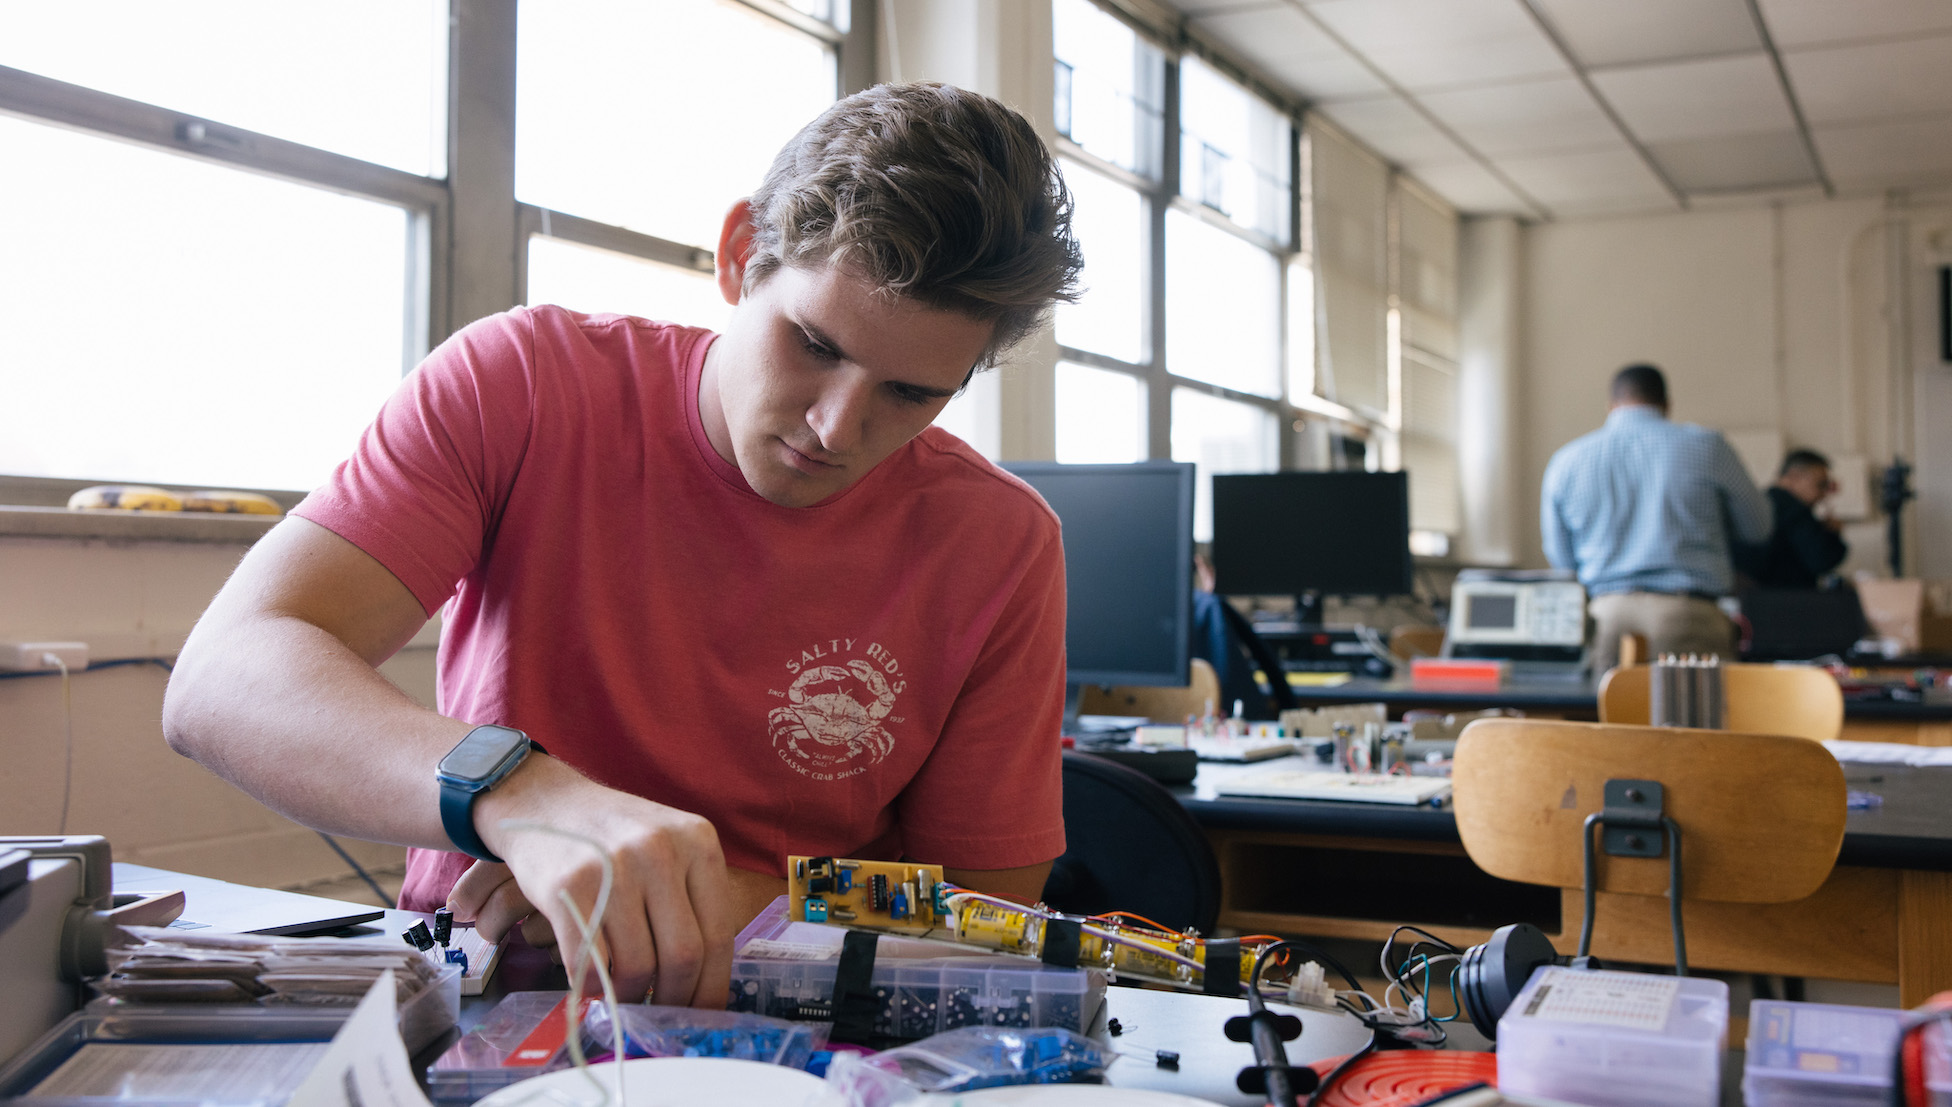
{"type": "Point", "coordinates": [423, 490]}
{"type": "Point", "coordinates": [991, 795]}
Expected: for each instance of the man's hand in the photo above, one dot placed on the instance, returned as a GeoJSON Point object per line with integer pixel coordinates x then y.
{"type": "Point", "coordinates": [669, 920]}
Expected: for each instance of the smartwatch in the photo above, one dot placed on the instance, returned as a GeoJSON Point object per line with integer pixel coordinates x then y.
{"type": "Point", "coordinates": [483, 759]}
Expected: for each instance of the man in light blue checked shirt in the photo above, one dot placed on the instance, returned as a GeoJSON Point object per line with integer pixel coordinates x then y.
{"type": "Point", "coordinates": [1647, 512]}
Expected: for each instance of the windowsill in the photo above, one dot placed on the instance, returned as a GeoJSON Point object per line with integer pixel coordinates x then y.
{"type": "Point", "coordinates": [147, 526]}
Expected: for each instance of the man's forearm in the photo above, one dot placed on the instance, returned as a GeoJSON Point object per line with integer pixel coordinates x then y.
{"type": "Point", "coordinates": [291, 715]}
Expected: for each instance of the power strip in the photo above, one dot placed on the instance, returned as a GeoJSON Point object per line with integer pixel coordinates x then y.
{"type": "Point", "coordinates": [35, 657]}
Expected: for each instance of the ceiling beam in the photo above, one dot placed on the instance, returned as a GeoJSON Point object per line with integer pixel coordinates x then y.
{"type": "Point", "coordinates": [1789, 94]}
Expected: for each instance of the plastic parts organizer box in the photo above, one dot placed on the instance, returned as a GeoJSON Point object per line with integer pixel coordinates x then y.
{"type": "Point", "coordinates": [1615, 1039]}
{"type": "Point", "coordinates": [786, 969]}
{"type": "Point", "coordinates": [1818, 1053]}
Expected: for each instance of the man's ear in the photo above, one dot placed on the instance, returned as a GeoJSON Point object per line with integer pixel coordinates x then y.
{"type": "Point", "coordinates": [734, 248]}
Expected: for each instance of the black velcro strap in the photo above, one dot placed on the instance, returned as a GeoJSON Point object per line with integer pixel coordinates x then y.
{"type": "Point", "coordinates": [855, 1007]}
{"type": "Point", "coordinates": [1061, 942]}
{"type": "Point", "coordinates": [1222, 976]}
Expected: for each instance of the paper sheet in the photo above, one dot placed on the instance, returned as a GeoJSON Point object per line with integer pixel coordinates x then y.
{"type": "Point", "coordinates": [366, 1064]}
{"type": "Point", "coordinates": [1890, 753]}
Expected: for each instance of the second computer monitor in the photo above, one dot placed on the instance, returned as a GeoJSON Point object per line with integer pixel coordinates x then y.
{"type": "Point", "coordinates": [1128, 567]}
{"type": "Point", "coordinates": [1331, 534]}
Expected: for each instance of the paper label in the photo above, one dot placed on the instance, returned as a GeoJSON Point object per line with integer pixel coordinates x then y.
{"type": "Point", "coordinates": [1635, 1000]}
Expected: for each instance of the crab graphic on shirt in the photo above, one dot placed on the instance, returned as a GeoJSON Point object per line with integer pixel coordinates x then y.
{"type": "Point", "coordinates": [833, 716]}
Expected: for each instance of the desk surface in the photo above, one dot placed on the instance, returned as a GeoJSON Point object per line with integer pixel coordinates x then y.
{"type": "Point", "coordinates": [1535, 694]}
{"type": "Point", "coordinates": [1912, 829]}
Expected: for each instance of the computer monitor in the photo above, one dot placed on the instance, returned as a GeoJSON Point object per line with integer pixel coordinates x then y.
{"type": "Point", "coordinates": [1311, 535]}
{"type": "Point", "coordinates": [1128, 568]}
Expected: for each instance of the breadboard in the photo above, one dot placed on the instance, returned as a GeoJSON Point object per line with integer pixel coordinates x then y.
{"type": "Point", "coordinates": [893, 896]}
{"type": "Point", "coordinates": [483, 955]}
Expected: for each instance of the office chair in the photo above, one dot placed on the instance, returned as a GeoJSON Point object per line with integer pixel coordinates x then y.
{"type": "Point", "coordinates": [1760, 818]}
{"type": "Point", "coordinates": [1797, 700]}
{"type": "Point", "coordinates": [1130, 846]}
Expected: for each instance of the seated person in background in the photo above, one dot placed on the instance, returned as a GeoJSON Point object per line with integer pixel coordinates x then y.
{"type": "Point", "coordinates": [1225, 639]}
{"type": "Point", "coordinates": [1646, 511]}
{"type": "Point", "coordinates": [746, 600]}
{"type": "Point", "coordinates": [1802, 548]}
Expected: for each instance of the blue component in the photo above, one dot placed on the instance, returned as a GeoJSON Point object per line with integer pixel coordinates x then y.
{"type": "Point", "coordinates": [457, 957]}
{"type": "Point", "coordinates": [941, 900]}
{"type": "Point", "coordinates": [898, 907]}
{"type": "Point", "coordinates": [816, 910]}
{"type": "Point", "coordinates": [843, 880]}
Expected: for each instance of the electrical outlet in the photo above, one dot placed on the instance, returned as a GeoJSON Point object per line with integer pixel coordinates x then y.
{"type": "Point", "coordinates": [32, 657]}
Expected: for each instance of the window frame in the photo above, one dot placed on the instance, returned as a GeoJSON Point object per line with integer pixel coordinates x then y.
{"type": "Point", "coordinates": [466, 249]}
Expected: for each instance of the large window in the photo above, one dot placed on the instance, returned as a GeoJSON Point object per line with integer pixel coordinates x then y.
{"type": "Point", "coordinates": [238, 224]}
{"type": "Point", "coordinates": [1268, 296]}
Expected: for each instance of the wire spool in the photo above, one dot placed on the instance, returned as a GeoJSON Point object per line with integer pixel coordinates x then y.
{"type": "Point", "coordinates": [1399, 1078]}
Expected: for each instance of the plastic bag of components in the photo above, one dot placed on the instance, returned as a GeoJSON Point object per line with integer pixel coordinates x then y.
{"type": "Point", "coordinates": [965, 1060]}
{"type": "Point", "coordinates": [688, 1032]}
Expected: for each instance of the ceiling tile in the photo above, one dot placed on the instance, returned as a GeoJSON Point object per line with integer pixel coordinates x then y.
{"type": "Point", "coordinates": [1698, 99]}
{"type": "Point", "coordinates": [1524, 118]}
{"type": "Point", "coordinates": [1849, 84]}
{"type": "Point", "coordinates": [1608, 32]}
{"type": "Point", "coordinates": [1880, 155]}
{"type": "Point", "coordinates": [1738, 163]}
{"type": "Point", "coordinates": [1423, 44]}
{"type": "Point", "coordinates": [1392, 128]}
{"type": "Point", "coordinates": [1292, 50]}
{"type": "Point", "coordinates": [1590, 181]}
{"type": "Point", "coordinates": [1803, 22]}
{"type": "Point", "coordinates": [1471, 189]}
{"type": "Point", "coordinates": [1203, 7]}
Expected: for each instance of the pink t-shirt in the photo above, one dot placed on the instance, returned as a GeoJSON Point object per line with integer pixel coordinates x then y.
{"type": "Point", "coordinates": [879, 675]}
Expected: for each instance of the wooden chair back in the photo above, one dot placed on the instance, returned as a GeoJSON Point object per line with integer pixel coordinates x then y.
{"type": "Point", "coordinates": [1408, 642]}
{"type": "Point", "coordinates": [1633, 650]}
{"type": "Point", "coordinates": [1799, 700]}
{"type": "Point", "coordinates": [1167, 705]}
{"type": "Point", "coordinates": [1761, 815]}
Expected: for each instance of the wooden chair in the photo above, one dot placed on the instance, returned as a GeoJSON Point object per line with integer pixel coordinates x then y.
{"type": "Point", "coordinates": [1798, 700]}
{"type": "Point", "coordinates": [1633, 650]}
{"type": "Point", "coordinates": [1169, 705]}
{"type": "Point", "coordinates": [1761, 819]}
{"type": "Point", "coordinates": [1409, 642]}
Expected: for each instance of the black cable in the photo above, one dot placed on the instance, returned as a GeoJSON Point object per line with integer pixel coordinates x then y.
{"type": "Point", "coordinates": [1336, 1073]}
{"type": "Point", "coordinates": [1253, 980]}
{"type": "Point", "coordinates": [356, 867]}
{"type": "Point", "coordinates": [91, 667]}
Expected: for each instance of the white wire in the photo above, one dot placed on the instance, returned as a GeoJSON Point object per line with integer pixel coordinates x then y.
{"type": "Point", "coordinates": [68, 729]}
{"type": "Point", "coordinates": [586, 958]}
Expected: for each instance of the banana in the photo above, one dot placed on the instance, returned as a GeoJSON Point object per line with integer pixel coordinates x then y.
{"type": "Point", "coordinates": [231, 503]}
{"type": "Point", "coordinates": [124, 497]}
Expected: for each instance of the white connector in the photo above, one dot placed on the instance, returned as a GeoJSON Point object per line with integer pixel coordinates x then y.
{"type": "Point", "coordinates": [34, 657]}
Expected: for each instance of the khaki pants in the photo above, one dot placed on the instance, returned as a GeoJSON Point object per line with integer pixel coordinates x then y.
{"type": "Point", "coordinates": [1671, 624]}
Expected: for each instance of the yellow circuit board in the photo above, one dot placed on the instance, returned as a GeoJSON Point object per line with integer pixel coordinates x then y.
{"type": "Point", "coordinates": [881, 895]}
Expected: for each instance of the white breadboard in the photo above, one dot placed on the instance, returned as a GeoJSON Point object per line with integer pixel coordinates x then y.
{"type": "Point", "coordinates": [482, 957]}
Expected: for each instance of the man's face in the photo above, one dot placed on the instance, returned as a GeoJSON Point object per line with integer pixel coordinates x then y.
{"type": "Point", "coordinates": [1809, 483]}
{"type": "Point", "coordinates": [818, 379]}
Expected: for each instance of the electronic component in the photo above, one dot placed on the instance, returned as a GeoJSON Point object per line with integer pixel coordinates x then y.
{"type": "Point", "coordinates": [418, 937]}
{"type": "Point", "coordinates": [914, 900]}
{"type": "Point", "coordinates": [443, 925]}
{"type": "Point", "coordinates": [456, 957]}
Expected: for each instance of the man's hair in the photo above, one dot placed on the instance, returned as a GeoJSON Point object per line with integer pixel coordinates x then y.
{"type": "Point", "coordinates": [1802, 459]}
{"type": "Point", "coordinates": [928, 192]}
{"type": "Point", "coordinates": [1640, 384]}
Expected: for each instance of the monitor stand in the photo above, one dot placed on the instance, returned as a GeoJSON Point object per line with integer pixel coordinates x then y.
{"type": "Point", "coordinates": [1308, 610]}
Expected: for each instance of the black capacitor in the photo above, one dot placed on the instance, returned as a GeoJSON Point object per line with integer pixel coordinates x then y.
{"type": "Point", "coordinates": [443, 925]}
{"type": "Point", "coordinates": [417, 936]}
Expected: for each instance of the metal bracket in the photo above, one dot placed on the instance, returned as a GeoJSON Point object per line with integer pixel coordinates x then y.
{"type": "Point", "coordinates": [1631, 819]}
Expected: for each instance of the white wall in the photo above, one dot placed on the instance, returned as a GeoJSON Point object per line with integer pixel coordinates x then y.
{"type": "Point", "coordinates": [133, 599]}
{"type": "Point", "coordinates": [1768, 319]}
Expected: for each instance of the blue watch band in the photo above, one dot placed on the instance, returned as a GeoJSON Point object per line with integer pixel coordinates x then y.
{"type": "Point", "coordinates": [457, 818]}
{"type": "Point", "coordinates": [482, 759]}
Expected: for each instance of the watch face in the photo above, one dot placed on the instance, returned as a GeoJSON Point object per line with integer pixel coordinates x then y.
{"type": "Point", "coordinates": [485, 750]}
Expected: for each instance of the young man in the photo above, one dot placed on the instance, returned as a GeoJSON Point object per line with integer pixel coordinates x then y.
{"type": "Point", "coordinates": [1802, 548]}
{"type": "Point", "coordinates": [742, 596]}
{"type": "Point", "coordinates": [1647, 511]}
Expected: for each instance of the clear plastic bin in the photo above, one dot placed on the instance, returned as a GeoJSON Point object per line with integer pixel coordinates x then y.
{"type": "Point", "coordinates": [232, 1074]}
{"type": "Point", "coordinates": [1615, 1039]}
{"type": "Point", "coordinates": [785, 969]}
{"type": "Point", "coordinates": [1818, 1053]}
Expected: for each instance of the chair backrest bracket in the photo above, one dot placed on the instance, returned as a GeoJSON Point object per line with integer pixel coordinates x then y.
{"type": "Point", "coordinates": [1632, 808]}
